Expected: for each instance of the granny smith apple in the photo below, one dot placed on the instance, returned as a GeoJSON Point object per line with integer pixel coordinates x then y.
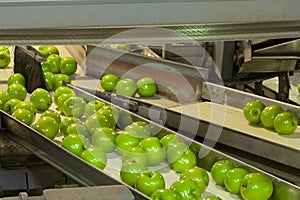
{"type": "Point", "coordinates": [175, 150]}
{"type": "Point", "coordinates": [233, 179]}
{"type": "Point", "coordinates": [138, 129]}
{"type": "Point", "coordinates": [220, 169]}
{"type": "Point", "coordinates": [47, 50]}
{"type": "Point", "coordinates": [73, 143]}
{"type": "Point", "coordinates": [164, 194]}
{"type": "Point", "coordinates": [4, 59]}
{"type": "Point", "coordinates": [66, 122]}
{"type": "Point", "coordinates": [74, 106]}
{"type": "Point", "coordinates": [108, 82]}
{"type": "Point", "coordinates": [45, 67]}
{"type": "Point", "coordinates": [150, 181]}
{"type": "Point", "coordinates": [186, 189]}
{"type": "Point", "coordinates": [61, 90]}
{"type": "Point", "coordinates": [16, 78]}
{"type": "Point", "coordinates": [156, 152]}
{"type": "Point", "coordinates": [61, 100]}
{"type": "Point", "coordinates": [108, 113]}
{"type": "Point", "coordinates": [211, 198]}
{"type": "Point", "coordinates": [124, 141]}
{"type": "Point", "coordinates": [17, 91]}
{"type": "Point", "coordinates": [26, 105]}
{"type": "Point", "coordinates": [10, 104]}
{"type": "Point", "coordinates": [105, 138]}
{"type": "Point", "coordinates": [92, 106]}
{"type": "Point", "coordinates": [47, 126]}
{"type": "Point", "coordinates": [4, 49]}
{"type": "Point", "coordinates": [24, 115]}
{"type": "Point", "coordinates": [283, 190]}
{"type": "Point", "coordinates": [49, 80]}
{"type": "Point", "coordinates": [285, 123]}
{"type": "Point", "coordinates": [68, 65]}
{"type": "Point", "coordinates": [198, 175]}
{"type": "Point", "coordinates": [268, 115]}
{"type": "Point", "coordinates": [59, 79]}
{"type": "Point", "coordinates": [146, 87]}
{"type": "Point", "coordinates": [130, 170]}
{"type": "Point", "coordinates": [125, 47]}
{"type": "Point", "coordinates": [126, 87]}
{"type": "Point", "coordinates": [54, 61]}
{"type": "Point", "coordinates": [77, 128]}
{"type": "Point", "coordinates": [3, 98]}
{"type": "Point", "coordinates": [53, 114]}
{"type": "Point", "coordinates": [256, 186]}
{"type": "Point", "coordinates": [252, 111]}
{"type": "Point", "coordinates": [96, 121]}
{"type": "Point", "coordinates": [95, 156]}
{"type": "Point", "coordinates": [169, 139]}
{"type": "Point", "coordinates": [186, 160]}
{"type": "Point", "coordinates": [41, 99]}
{"type": "Point", "coordinates": [135, 153]}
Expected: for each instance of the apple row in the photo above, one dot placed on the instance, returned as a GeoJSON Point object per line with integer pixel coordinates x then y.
{"type": "Point", "coordinates": [271, 117]}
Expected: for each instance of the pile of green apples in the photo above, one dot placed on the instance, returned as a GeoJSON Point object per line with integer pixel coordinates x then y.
{"type": "Point", "coordinates": [271, 117]}
{"type": "Point", "coordinates": [4, 57]}
{"type": "Point", "coordinates": [56, 69]}
{"type": "Point", "coordinates": [145, 86]}
{"type": "Point", "coordinates": [238, 181]}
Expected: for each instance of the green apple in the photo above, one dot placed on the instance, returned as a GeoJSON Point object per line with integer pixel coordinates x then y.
{"type": "Point", "coordinates": [186, 160]}
{"type": "Point", "coordinates": [4, 49]}
{"type": "Point", "coordinates": [108, 113]}
{"type": "Point", "coordinates": [59, 79]}
{"type": "Point", "coordinates": [285, 123]}
{"type": "Point", "coordinates": [108, 82]}
{"type": "Point", "coordinates": [66, 122]}
{"type": "Point", "coordinates": [211, 198]}
{"type": "Point", "coordinates": [47, 50]}
{"type": "Point", "coordinates": [26, 105]}
{"type": "Point", "coordinates": [186, 189]}
{"type": "Point", "coordinates": [47, 126]}
{"type": "Point", "coordinates": [49, 80]}
{"type": "Point", "coordinates": [61, 100]}
{"type": "Point", "coordinates": [135, 153]}
{"type": "Point", "coordinates": [54, 62]}
{"type": "Point", "coordinates": [126, 87]}
{"type": "Point", "coordinates": [284, 190]}
{"type": "Point", "coordinates": [220, 169]}
{"type": "Point", "coordinates": [16, 78]}
{"type": "Point", "coordinates": [105, 138]}
{"type": "Point", "coordinates": [131, 169]}
{"type": "Point", "coordinates": [73, 143]}
{"type": "Point", "coordinates": [156, 152]}
{"type": "Point", "coordinates": [256, 186]}
{"type": "Point", "coordinates": [45, 67]}
{"type": "Point", "coordinates": [53, 114]}
{"type": "Point", "coordinates": [175, 150]}
{"type": "Point", "coordinates": [233, 179]}
{"type": "Point", "coordinates": [61, 90]}
{"type": "Point", "coordinates": [124, 141]}
{"type": "Point", "coordinates": [138, 129]}
{"type": "Point", "coordinates": [198, 175]}
{"type": "Point", "coordinates": [164, 194]}
{"type": "Point", "coordinates": [92, 106]}
{"type": "Point", "coordinates": [10, 104]}
{"type": "Point", "coordinates": [3, 98]}
{"type": "Point", "coordinates": [195, 147]}
{"type": "Point", "coordinates": [95, 156]}
{"type": "Point", "coordinates": [169, 139]}
{"type": "Point", "coordinates": [41, 99]}
{"type": "Point", "coordinates": [4, 59]}
{"type": "Point", "coordinates": [252, 111]}
{"type": "Point", "coordinates": [74, 107]}
{"type": "Point", "coordinates": [268, 115]}
{"type": "Point", "coordinates": [150, 181]}
{"type": "Point", "coordinates": [17, 91]}
{"type": "Point", "coordinates": [68, 65]}
{"type": "Point", "coordinates": [96, 121]}
{"type": "Point", "coordinates": [77, 128]}
{"type": "Point", "coordinates": [146, 87]}
{"type": "Point", "coordinates": [24, 115]}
